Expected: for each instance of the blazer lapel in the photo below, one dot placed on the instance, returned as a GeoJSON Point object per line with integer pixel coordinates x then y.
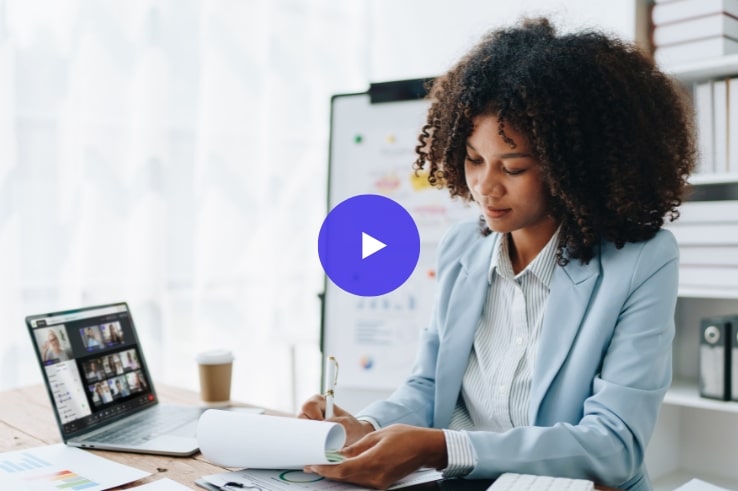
{"type": "Point", "coordinates": [457, 334]}
{"type": "Point", "coordinates": [571, 290]}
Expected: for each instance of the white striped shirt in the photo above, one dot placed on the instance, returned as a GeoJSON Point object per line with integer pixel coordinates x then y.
{"type": "Point", "coordinates": [495, 390]}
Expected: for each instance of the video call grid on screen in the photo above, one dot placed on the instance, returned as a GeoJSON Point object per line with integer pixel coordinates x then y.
{"type": "Point", "coordinates": [93, 364]}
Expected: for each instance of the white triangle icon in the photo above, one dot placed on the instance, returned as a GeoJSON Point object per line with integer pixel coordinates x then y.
{"type": "Point", "coordinates": [370, 245]}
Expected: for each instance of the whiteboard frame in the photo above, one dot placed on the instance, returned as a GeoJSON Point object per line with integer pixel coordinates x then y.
{"type": "Point", "coordinates": [385, 111]}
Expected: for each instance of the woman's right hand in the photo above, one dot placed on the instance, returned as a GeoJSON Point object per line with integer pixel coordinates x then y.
{"type": "Point", "coordinates": [314, 408]}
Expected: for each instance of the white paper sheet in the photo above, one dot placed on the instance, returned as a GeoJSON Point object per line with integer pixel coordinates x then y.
{"type": "Point", "coordinates": [699, 485]}
{"type": "Point", "coordinates": [291, 480]}
{"type": "Point", "coordinates": [162, 485]}
{"type": "Point", "coordinates": [56, 467]}
{"type": "Point", "coordinates": [266, 442]}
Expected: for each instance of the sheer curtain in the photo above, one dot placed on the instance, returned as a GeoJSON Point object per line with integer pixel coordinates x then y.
{"type": "Point", "coordinates": [173, 154]}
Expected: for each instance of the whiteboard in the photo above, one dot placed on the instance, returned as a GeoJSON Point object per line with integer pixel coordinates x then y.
{"type": "Point", "coordinates": [372, 148]}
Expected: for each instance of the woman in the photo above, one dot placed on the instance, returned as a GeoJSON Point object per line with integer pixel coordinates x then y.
{"type": "Point", "coordinates": [549, 347]}
{"type": "Point", "coordinates": [52, 350]}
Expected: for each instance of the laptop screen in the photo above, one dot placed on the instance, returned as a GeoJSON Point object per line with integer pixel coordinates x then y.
{"type": "Point", "coordinates": [92, 364]}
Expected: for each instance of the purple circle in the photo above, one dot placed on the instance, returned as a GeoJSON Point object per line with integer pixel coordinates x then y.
{"type": "Point", "coordinates": [349, 231]}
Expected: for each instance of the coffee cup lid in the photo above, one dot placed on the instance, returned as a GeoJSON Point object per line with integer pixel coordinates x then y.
{"type": "Point", "coordinates": [214, 357]}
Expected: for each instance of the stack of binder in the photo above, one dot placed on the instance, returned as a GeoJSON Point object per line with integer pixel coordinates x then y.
{"type": "Point", "coordinates": [690, 30]}
{"type": "Point", "coordinates": [716, 115]}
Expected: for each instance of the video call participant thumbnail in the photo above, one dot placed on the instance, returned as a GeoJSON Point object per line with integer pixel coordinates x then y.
{"type": "Point", "coordinates": [91, 338]}
{"type": "Point", "coordinates": [53, 344]}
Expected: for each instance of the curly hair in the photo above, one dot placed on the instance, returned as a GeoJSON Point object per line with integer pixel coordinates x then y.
{"type": "Point", "coordinates": [613, 135]}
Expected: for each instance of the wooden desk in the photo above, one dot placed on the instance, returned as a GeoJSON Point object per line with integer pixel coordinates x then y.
{"type": "Point", "coordinates": [27, 420]}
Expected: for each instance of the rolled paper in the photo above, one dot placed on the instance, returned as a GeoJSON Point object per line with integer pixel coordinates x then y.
{"type": "Point", "coordinates": [233, 439]}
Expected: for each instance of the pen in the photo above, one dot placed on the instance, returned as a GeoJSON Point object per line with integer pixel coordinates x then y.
{"type": "Point", "coordinates": [237, 485]}
{"type": "Point", "coordinates": [331, 378]}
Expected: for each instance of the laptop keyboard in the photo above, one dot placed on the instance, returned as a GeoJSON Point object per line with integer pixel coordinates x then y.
{"type": "Point", "coordinates": [148, 426]}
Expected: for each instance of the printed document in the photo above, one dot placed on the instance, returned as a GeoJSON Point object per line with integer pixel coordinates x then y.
{"type": "Point", "coordinates": [234, 439]}
{"type": "Point", "coordinates": [294, 480]}
{"type": "Point", "coordinates": [56, 467]}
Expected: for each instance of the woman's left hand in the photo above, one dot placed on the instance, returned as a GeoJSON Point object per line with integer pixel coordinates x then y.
{"type": "Point", "coordinates": [385, 456]}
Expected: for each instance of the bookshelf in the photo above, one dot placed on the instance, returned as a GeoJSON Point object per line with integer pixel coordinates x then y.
{"type": "Point", "coordinates": [697, 437]}
{"type": "Point", "coordinates": [706, 69]}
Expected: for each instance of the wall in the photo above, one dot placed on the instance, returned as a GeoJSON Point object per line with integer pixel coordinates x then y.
{"type": "Point", "coordinates": [418, 38]}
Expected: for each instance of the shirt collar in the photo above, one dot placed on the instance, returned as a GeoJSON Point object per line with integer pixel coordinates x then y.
{"type": "Point", "coordinates": [542, 267]}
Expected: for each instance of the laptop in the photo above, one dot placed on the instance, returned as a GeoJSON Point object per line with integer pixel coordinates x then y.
{"type": "Point", "coordinates": [101, 391]}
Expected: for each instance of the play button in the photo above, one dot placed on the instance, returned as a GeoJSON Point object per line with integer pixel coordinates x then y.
{"type": "Point", "coordinates": [368, 245]}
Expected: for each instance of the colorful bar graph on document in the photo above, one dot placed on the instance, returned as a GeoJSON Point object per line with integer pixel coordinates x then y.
{"type": "Point", "coordinates": [66, 480]}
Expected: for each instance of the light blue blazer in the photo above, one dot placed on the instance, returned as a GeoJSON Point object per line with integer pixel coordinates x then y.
{"type": "Point", "coordinates": [602, 367]}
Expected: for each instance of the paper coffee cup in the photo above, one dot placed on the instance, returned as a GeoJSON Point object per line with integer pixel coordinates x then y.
{"type": "Point", "coordinates": [215, 376]}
